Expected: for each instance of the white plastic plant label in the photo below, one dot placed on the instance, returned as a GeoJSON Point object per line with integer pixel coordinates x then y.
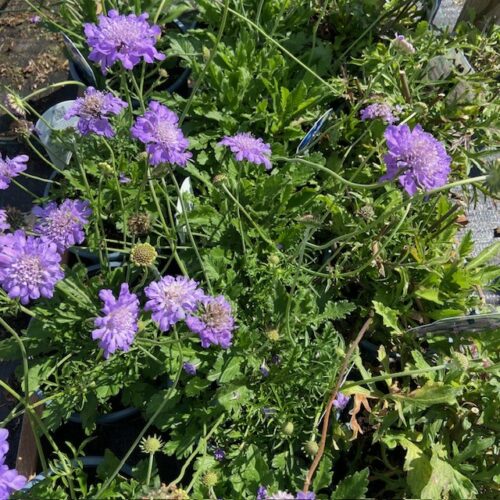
{"type": "Point", "coordinates": [53, 119]}
{"type": "Point", "coordinates": [186, 189]}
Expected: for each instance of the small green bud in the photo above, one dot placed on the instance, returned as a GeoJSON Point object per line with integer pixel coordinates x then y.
{"type": "Point", "coordinates": [219, 178]}
{"type": "Point", "coordinates": [287, 429]}
{"type": "Point", "coordinates": [311, 448]}
{"type": "Point", "coordinates": [274, 259]}
{"type": "Point", "coordinates": [210, 479]}
{"type": "Point", "coordinates": [105, 167]}
{"type": "Point", "coordinates": [163, 73]}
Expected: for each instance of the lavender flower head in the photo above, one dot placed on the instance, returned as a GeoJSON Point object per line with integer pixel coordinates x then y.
{"type": "Point", "coordinates": [35, 19]}
{"type": "Point", "coordinates": [378, 110]}
{"type": "Point", "coordinates": [159, 129]}
{"type": "Point", "coordinates": [219, 454]}
{"type": "Point", "coordinates": [117, 328]}
{"type": "Point", "coordinates": [214, 323]}
{"type": "Point", "coordinates": [124, 38]}
{"type": "Point", "coordinates": [11, 167]}
{"type": "Point", "coordinates": [63, 224]}
{"type": "Point", "coordinates": [305, 496]}
{"type": "Point", "coordinates": [4, 225]}
{"type": "Point", "coordinates": [172, 299]}
{"type": "Point", "coordinates": [93, 110]}
{"type": "Point", "coordinates": [402, 44]}
{"type": "Point", "coordinates": [341, 401]}
{"type": "Point", "coordinates": [417, 157]}
{"type": "Point", "coordinates": [10, 480]}
{"type": "Point", "coordinates": [247, 147]}
{"type": "Point", "coordinates": [124, 179]}
{"type": "Point", "coordinates": [189, 368]}
{"type": "Point", "coordinates": [262, 493]}
{"type": "Point", "coordinates": [29, 266]}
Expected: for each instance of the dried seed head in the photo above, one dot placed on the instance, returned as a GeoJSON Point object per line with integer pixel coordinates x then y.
{"type": "Point", "coordinates": [22, 128]}
{"type": "Point", "coordinates": [15, 105]}
{"type": "Point", "coordinates": [166, 492]}
{"type": "Point", "coordinates": [143, 254]}
{"type": "Point", "coordinates": [139, 224]}
{"type": "Point", "coordinates": [366, 212]}
{"type": "Point", "coordinates": [15, 218]}
{"type": "Point", "coordinates": [219, 178]}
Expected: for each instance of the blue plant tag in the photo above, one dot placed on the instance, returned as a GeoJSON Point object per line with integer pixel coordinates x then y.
{"type": "Point", "coordinates": [83, 69]}
{"type": "Point", "coordinates": [460, 324]}
{"type": "Point", "coordinates": [314, 131]}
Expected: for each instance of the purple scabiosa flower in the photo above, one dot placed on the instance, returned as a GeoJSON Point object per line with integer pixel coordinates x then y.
{"type": "Point", "coordinates": [305, 496]}
{"type": "Point", "coordinates": [35, 19]}
{"type": "Point", "coordinates": [11, 167]}
{"type": "Point", "coordinates": [93, 110]}
{"type": "Point", "coordinates": [172, 299]}
{"type": "Point", "coordinates": [417, 157]}
{"type": "Point", "coordinates": [214, 323]}
{"type": "Point", "coordinates": [124, 38]}
{"type": "Point", "coordinates": [264, 369]}
{"type": "Point", "coordinates": [402, 44]}
{"type": "Point", "coordinates": [159, 129]}
{"type": "Point", "coordinates": [378, 110]}
{"type": "Point", "coordinates": [63, 224]}
{"type": "Point", "coordinates": [29, 266]}
{"type": "Point", "coordinates": [247, 147]}
{"type": "Point", "coordinates": [124, 179]}
{"type": "Point", "coordinates": [117, 328]}
{"type": "Point", "coordinates": [189, 368]}
{"type": "Point", "coordinates": [262, 493]}
{"type": "Point", "coordinates": [219, 454]}
{"type": "Point", "coordinates": [4, 225]}
{"type": "Point", "coordinates": [341, 401]}
{"type": "Point", "coordinates": [10, 479]}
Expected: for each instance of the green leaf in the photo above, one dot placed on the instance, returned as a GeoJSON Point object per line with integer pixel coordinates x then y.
{"type": "Point", "coordinates": [323, 477]}
{"type": "Point", "coordinates": [432, 393]}
{"type": "Point", "coordinates": [485, 256]}
{"type": "Point", "coordinates": [444, 480]}
{"type": "Point", "coordinates": [389, 316]}
{"type": "Point", "coordinates": [354, 486]}
{"type": "Point", "coordinates": [430, 294]}
{"type": "Point", "coordinates": [108, 466]}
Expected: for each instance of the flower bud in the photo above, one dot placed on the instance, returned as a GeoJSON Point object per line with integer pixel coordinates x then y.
{"type": "Point", "coordinates": [151, 444]}
{"type": "Point", "coordinates": [287, 428]}
{"type": "Point", "coordinates": [311, 448]}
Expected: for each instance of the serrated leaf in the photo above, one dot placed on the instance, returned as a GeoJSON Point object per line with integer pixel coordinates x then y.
{"type": "Point", "coordinates": [444, 480]}
{"type": "Point", "coordinates": [323, 476]}
{"type": "Point", "coordinates": [431, 393]}
{"type": "Point", "coordinates": [430, 294]}
{"type": "Point", "coordinates": [354, 486]}
{"type": "Point", "coordinates": [389, 316]}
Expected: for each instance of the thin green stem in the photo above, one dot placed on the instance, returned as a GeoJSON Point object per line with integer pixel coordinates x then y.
{"type": "Point", "coordinates": [213, 52]}
{"type": "Point", "coordinates": [150, 422]}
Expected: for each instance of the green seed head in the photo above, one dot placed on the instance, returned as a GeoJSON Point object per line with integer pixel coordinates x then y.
{"type": "Point", "coordinates": [143, 254]}
{"type": "Point", "coordinates": [151, 444]}
{"type": "Point", "coordinates": [210, 479]}
{"type": "Point", "coordinates": [273, 335]}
